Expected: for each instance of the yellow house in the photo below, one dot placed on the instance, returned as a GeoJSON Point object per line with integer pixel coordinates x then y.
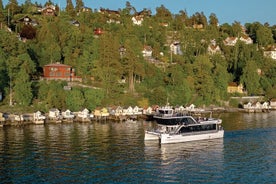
{"type": "Point", "coordinates": [233, 87]}
{"type": "Point", "coordinates": [101, 112]}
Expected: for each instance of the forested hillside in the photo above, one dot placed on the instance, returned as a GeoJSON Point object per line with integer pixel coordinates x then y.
{"type": "Point", "coordinates": [186, 59]}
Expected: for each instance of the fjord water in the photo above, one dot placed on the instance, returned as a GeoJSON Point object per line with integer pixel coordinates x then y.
{"type": "Point", "coordinates": [110, 152]}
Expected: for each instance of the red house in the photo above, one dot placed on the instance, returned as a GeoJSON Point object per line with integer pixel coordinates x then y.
{"type": "Point", "coordinates": [59, 71]}
{"type": "Point", "coordinates": [98, 31]}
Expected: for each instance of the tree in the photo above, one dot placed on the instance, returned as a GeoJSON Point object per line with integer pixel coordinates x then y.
{"type": "Point", "coordinates": [163, 14]}
{"type": "Point", "coordinates": [23, 88]}
{"type": "Point", "coordinates": [3, 72]}
{"type": "Point", "coordinates": [1, 5]}
{"type": "Point", "coordinates": [131, 61]}
{"type": "Point", "coordinates": [52, 94]}
{"type": "Point", "coordinates": [264, 36]}
{"type": "Point", "coordinates": [20, 69]}
{"type": "Point", "coordinates": [79, 5]}
{"type": "Point", "coordinates": [220, 76]}
{"type": "Point", "coordinates": [70, 8]}
{"type": "Point", "coordinates": [28, 7]}
{"type": "Point", "coordinates": [74, 99]}
{"type": "Point", "coordinates": [250, 78]}
{"type": "Point", "coordinates": [237, 29]}
{"type": "Point", "coordinates": [93, 98]}
{"type": "Point", "coordinates": [213, 20]}
{"type": "Point", "coordinates": [179, 92]}
{"type": "Point", "coordinates": [107, 68]}
{"type": "Point", "coordinates": [2, 16]}
{"type": "Point", "coordinates": [180, 20]}
{"type": "Point", "coordinates": [204, 84]}
{"type": "Point", "coordinates": [13, 8]}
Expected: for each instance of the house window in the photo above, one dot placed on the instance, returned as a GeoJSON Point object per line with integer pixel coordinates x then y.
{"type": "Point", "coordinates": [67, 74]}
{"type": "Point", "coordinates": [53, 69]}
{"type": "Point", "coordinates": [52, 74]}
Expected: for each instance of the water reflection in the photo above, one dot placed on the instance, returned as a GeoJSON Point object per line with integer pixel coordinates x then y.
{"type": "Point", "coordinates": [109, 151]}
{"type": "Point", "coordinates": [242, 121]}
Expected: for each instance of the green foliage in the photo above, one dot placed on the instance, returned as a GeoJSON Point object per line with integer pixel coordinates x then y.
{"type": "Point", "coordinates": [52, 93]}
{"type": "Point", "coordinates": [264, 36]}
{"type": "Point", "coordinates": [107, 68]}
{"type": "Point", "coordinates": [74, 99]}
{"type": "Point", "coordinates": [158, 95]}
{"type": "Point", "coordinates": [22, 88]}
{"type": "Point", "coordinates": [70, 8]}
{"type": "Point", "coordinates": [204, 84]}
{"type": "Point", "coordinates": [250, 78]}
{"type": "Point", "coordinates": [93, 98]}
{"type": "Point", "coordinates": [79, 5]}
{"type": "Point", "coordinates": [234, 103]}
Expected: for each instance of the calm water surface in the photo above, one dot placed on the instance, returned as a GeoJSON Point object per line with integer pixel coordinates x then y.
{"type": "Point", "coordinates": [111, 152]}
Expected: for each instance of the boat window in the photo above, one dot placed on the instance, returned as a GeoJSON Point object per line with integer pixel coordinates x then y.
{"type": "Point", "coordinates": [188, 121]}
{"type": "Point", "coordinates": [197, 128]}
{"type": "Point", "coordinates": [184, 129]}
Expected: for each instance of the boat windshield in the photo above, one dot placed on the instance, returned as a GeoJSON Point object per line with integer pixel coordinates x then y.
{"type": "Point", "coordinates": [164, 112]}
{"type": "Point", "coordinates": [188, 121]}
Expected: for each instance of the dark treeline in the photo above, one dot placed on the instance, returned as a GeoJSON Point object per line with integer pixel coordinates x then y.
{"type": "Point", "coordinates": [105, 47]}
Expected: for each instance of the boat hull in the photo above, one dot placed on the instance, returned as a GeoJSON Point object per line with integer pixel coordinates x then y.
{"type": "Point", "coordinates": [150, 136]}
{"type": "Point", "coordinates": [177, 138]}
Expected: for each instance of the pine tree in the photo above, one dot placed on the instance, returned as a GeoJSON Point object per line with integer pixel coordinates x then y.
{"type": "Point", "coordinates": [70, 8]}
{"type": "Point", "coordinates": [13, 7]}
{"type": "Point", "coordinates": [1, 5]}
{"type": "Point", "coordinates": [79, 5]}
{"type": "Point", "coordinates": [2, 16]}
{"type": "Point", "coordinates": [108, 68]}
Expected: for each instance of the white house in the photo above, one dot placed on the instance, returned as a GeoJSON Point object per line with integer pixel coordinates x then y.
{"type": "Point", "coordinates": [175, 48]}
{"type": "Point", "coordinates": [137, 20]}
{"type": "Point", "coordinates": [230, 41]}
{"type": "Point", "coordinates": [246, 39]}
{"type": "Point", "coordinates": [137, 110]}
{"type": "Point", "coordinates": [270, 52]}
{"type": "Point", "coordinates": [147, 51]}
{"type": "Point", "coordinates": [118, 111]}
{"type": "Point", "coordinates": [68, 114]}
{"type": "Point", "coordinates": [213, 49]}
{"type": "Point", "coordinates": [273, 103]}
{"type": "Point", "coordinates": [84, 114]}
{"type": "Point", "coordinates": [54, 114]}
{"type": "Point", "coordinates": [128, 111]}
{"type": "Point", "coordinates": [148, 110]}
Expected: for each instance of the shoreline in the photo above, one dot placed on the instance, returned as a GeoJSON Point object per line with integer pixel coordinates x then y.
{"type": "Point", "coordinates": [11, 119]}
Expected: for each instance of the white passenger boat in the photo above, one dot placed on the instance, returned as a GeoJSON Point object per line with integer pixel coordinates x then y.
{"type": "Point", "coordinates": [188, 130]}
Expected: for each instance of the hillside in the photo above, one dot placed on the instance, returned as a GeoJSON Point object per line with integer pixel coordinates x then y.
{"type": "Point", "coordinates": [129, 57]}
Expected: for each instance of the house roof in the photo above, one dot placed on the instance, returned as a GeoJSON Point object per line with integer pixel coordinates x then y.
{"type": "Point", "coordinates": [147, 48]}
{"type": "Point", "coordinates": [214, 47]}
{"type": "Point", "coordinates": [109, 11]}
{"type": "Point", "coordinates": [25, 19]}
{"type": "Point", "coordinates": [234, 84]}
{"type": "Point", "coordinates": [57, 65]}
{"type": "Point", "coordinates": [270, 48]}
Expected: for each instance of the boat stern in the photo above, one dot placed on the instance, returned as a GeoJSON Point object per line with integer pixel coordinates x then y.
{"type": "Point", "coordinates": [149, 135]}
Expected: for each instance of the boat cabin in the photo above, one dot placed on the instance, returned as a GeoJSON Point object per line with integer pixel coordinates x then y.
{"type": "Point", "coordinates": [165, 112]}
